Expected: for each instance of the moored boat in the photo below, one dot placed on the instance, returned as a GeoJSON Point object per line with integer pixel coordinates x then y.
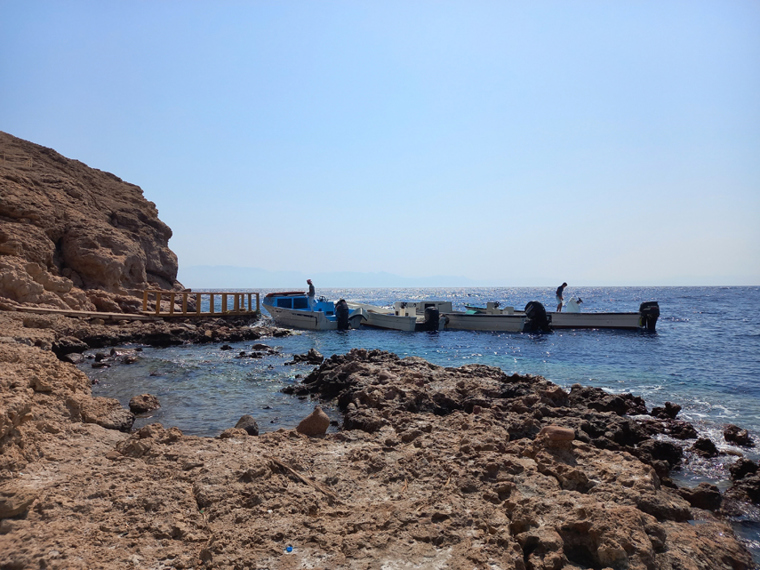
{"type": "Point", "coordinates": [645, 318]}
{"type": "Point", "coordinates": [404, 316]}
{"type": "Point", "coordinates": [427, 313]}
{"type": "Point", "coordinates": [292, 309]}
{"type": "Point", "coordinates": [439, 315]}
{"type": "Point", "coordinates": [384, 317]}
{"type": "Point", "coordinates": [472, 321]}
{"type": "Point", "coordinates": [533, 319]}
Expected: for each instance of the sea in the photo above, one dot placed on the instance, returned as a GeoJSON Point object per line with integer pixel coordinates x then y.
{"type": "Point", "coordinates": [704, 356]}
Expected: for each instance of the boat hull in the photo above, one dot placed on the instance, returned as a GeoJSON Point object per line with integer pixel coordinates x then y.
{"type": "Point", "coordinates": [645, 319]}
{"type": "Point", "coordinates": [389, 321]}
{"type": "Point", "coordinates": [386, 318]}
{"type": "Point", "coordinates": [308, 320]}
{"type": "Point", "coordinates": [484, 322]}
{"type": "Point", "coordinates": [624, 321]}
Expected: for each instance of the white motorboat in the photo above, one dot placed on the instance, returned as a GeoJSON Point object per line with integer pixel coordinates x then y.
{"type": "Point", "coordinates": [404, 316]}
{"type": "Point", "coordinates": [630, 321]}
{"type": "Point", "coordinates": [428, 314]}
{"type": "Point", "coordinates": [646, 318]}
{"type": "Point", "coordinates": [292, 310]}
{"type": "Point", "coordinates": [495, 319]}
{"type": "Point", "coordinates": [439, 315]}
{"type": "Point", "coordinates": [472, 321]}
{"type": "Point", "coordinates": [384, 317]}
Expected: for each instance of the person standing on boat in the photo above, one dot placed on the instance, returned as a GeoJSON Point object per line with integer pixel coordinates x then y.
{"type": "Point", "coordinates": [560, 298]}
{"type": "Point", "coordinates": [312, 293]}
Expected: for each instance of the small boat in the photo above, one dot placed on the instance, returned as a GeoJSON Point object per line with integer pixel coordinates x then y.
{"type": "Point", "coordinates": [645, 319]}
{"type": "Point", "coordinates": [533, 319]}
{"type": "Point", "coordinates": [439, 315]}
{"type": "Point", "coordinates": [384, 318]}
{"type": "Point", "coordinates": [473, 321]}
{"type": "Point", "coordinates": [428, 314]}
{"type": "Point", "coordinates": [404, 315]}
{"type": "Point", "coordinates": [291, 309]}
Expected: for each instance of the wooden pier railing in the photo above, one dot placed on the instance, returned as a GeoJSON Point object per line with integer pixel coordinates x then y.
{"type": "Point", "coordinates": [174, 298]}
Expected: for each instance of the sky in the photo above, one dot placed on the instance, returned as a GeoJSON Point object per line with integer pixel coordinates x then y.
{"type": "Point", "coordinates": [494, 142]}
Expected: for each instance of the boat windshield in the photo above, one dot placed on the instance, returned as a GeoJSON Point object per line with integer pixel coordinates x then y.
{"type": "Point", "coordinates": [292, 303]}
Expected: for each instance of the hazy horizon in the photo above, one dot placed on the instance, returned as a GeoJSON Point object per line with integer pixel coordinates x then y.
{"type": "Point", "coordinates": [220, 277]}
{"type": "Point", "coordinates": [498, 142]}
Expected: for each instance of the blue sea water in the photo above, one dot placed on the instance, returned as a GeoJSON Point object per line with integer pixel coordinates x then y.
{"type": "Point", "coordinates": [705, 356]}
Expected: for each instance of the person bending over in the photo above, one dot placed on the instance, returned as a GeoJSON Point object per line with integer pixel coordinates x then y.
{"type": "Point", "coordinates": [560, 298]}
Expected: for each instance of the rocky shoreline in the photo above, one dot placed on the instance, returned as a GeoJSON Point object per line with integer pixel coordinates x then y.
{"type": "Point", "coordinates": [432, 468]}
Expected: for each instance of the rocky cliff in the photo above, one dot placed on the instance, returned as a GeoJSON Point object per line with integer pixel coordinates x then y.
{"type": "Point", "coordinates": [73, 237]}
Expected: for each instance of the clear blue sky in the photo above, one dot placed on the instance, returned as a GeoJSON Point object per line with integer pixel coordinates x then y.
{"type": "Point", "coordinates": [513, 143]}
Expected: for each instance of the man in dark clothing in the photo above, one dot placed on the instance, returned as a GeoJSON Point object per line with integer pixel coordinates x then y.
{"type": "Point", "coordinates": [312, 293]}
{"type": "Point", "coordinates": [560, 298]}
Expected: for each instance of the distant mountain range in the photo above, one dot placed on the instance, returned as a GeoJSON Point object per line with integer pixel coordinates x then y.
{"type": "Point", "coordinates": [231, 277]}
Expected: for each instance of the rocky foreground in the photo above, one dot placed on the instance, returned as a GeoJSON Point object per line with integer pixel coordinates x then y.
{"type": "Point", "coordinates": [433, 468]}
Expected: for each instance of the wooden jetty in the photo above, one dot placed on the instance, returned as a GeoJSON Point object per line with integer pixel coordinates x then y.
{"type": "Point", "coordinates": [167, 304]}
{"type": "Point", "coordinates": [242, 303]}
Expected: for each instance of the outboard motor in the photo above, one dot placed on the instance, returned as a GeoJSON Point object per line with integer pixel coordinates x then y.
{"type": "Point", "coordinates": [432, 320]}
{"type": "Point", "coordinates": [536, 319]}
{"type": "Point", "coordinates": [649, 312]}
{"type": "Point", "coordinates": [341, 315]}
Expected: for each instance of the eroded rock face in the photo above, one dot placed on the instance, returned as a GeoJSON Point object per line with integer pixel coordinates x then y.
{"type": "Point", "coordinates": [73, 237]}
